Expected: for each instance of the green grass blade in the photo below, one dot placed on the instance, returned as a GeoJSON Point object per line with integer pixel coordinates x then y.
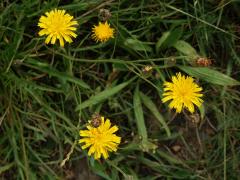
{"type": "Point", "coordinates": [168, 38]}
{"type": "Point", "coordinates": [6, 167]}
{"type": "Point", "coordinates": [152, 107]}
{"type": "Point", "coordinates": [210, 75]}
{"type": "Point", "coordinates": [103, 95]}
{"type": "Point", "coordinates": [162, 40]}
{"type": "Point", "coordinates": [145, 145]}
{"type": "Point", "coordinates": [137, 45]}
{"type": "Point", "coordinates": [138, 111]}
{"type": "Point", "coordinates": [53, 72]}
{"type": "Point", "coordinates": [46, 105]}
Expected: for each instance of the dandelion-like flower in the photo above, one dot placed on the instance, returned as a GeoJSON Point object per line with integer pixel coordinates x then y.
{"type": "Point", "coordinates": [57, 24]}
{"type": "Point", "coordinates": [183, 93]}
{"type": "Point", "coordinates": [101, 139]}
{"type": "Point", "coordinates": [102, 32]}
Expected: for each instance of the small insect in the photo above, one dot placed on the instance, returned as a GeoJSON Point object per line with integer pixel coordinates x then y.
{"type": "Point", "coordinates": [96, 120]}
{"type": "Point", "coordinates": [204, 62]}
{"type": "Point", "coordinates": [147, 69]}
{"type": "Point", "coordinates": [104, 14]}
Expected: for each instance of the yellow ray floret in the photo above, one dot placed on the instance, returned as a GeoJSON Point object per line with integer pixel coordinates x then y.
{"type": "Point", "coordinates": [183, 93]}
{"type": "Point", "coordinates": [102, 32]}
{"type": "Point", "coordinates": [57, 24]}
{"type": "Point", "coordinates": [100, 140]}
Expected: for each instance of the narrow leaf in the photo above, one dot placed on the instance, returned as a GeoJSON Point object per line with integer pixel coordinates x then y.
{"type": "Point", "coordinates": [137, 45]}
{"type": "Point", "coordinates": [105, 94]}
{"type": "Point", "coordinates": [138, 111]}
{"type": "Point", "coordinates": [162, 39]}
{"type": "Point", "coordinates": [168, 39]}
{"type": "Point", "coordinates": [210, 75]}
{"type": "Point", "coordinates": [185, 48]}
{"type": "Point", "coordinates": [152, 107]}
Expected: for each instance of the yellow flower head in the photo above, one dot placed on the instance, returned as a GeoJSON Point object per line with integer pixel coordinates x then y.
{"type": "Point", "coordinates": [100, 139]}
{"type": "Point", "coordinates": [102, 32]}
{"type": "Point", "coordinates": [57, 25]}
{"type": "Point", "coordinates": [183, 92]}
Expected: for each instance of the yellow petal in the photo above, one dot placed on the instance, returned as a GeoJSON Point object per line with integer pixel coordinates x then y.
{"type": "Point", "coordinates": [84, 133]}
{"type": "Point", "coordinates": [43, 32]}
{"type": "Point", "coordinates": [91, 150]}
{"type": "Point", "coordinates": [67, 38]}
{"type": "Point", "coordinates": [113, 129]}
{"type": "Point", "coordinates": [61, 41]}
{"type": "Point", "coordinates": [86, 146]}
{"type": "Point", "coordinates": [53, 39]}
{"type": "Point", "coordinates": [107, 124]}
{"type": "Point", "coordinates": [167, 98]}
{"type": "Point", "coordinates": [48, 38]}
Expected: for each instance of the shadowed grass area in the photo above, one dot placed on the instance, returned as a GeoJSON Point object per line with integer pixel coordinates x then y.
{"type": "Point", "coordinates": [48, 93]}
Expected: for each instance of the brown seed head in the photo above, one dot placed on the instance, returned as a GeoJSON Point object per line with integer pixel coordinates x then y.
{"type": "Point", "coordinates": [104, 14]}
{"type": "Point", "coordinates": [204, 62]}
{"type": "Point", "coordinates": [96, 120]}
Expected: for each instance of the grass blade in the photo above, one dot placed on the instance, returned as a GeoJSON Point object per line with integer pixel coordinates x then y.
{"type": "Point", "coordinates": [168, 38]}
{"type": "Point", "coordinates": [145, 145]}
{"type": "Point", "coordinates": [53, 72]}
{"type": "Point", "coordinates": [137, 45]}
{"type": "Point", "coordinates": [210, 75]}
{"type": "Point", "coordinates": [139, 115]}
{"type": "Point", "coordinates": [6, 167]}
{"type": "Point", "coordinates": [103, 95]}
{"type": "Point", "coordinates": [152, 107]}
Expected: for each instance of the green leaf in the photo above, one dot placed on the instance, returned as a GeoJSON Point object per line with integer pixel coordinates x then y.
{"type": "Point", "coordinates": [131, 146]}
{"type": "Point", "coordinates": [169, 158]}
{"type": "Point", "coordinates": [138, 111]}
{"type": "Point", "coordinates": [137, 45]}
{"type": "Point", "coordinates": [168, 39]}
{"type": "Point", "coordinates": [162, 40]}
{"type": "Point", "coordinates": [210, 75]}
{"type": "Point", "coordinates": [145, 144]}
{"type": "Point", "coordinates": [105, 94]}
{"type": "Point", "coordinates": [99, 169]}
{"type": "Point", "coordinates": [186, 49]}
{"type": "Point", "coordinates": [152, 107]}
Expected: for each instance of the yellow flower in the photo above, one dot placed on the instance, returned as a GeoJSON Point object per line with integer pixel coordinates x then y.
{"type": "Point", "coordinates": [100, 139]}
{"type": "Point", "coordinates": [102, 32]}
{"type": "Point", "coordinates": [57, 25]}
{"type": "Point", "coordinates": [183, 92]}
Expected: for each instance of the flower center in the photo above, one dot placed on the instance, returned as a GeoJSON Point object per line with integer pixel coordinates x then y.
{"type": "Point", "coordinates": [183, 93]}
{"type": "Point", "coordinates": [56, 27]}
{"type": "Point", "coordinates": [102, 32]}
{"type": "Point", "coordinates": [99, 137]}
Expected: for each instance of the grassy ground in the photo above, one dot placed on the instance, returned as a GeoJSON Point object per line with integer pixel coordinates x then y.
{"type": "Point", "coordinates": [48, 93]}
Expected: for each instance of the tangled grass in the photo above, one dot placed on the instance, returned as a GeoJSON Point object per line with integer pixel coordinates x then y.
{"type": "Point", "coordinates": [48, 92]}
